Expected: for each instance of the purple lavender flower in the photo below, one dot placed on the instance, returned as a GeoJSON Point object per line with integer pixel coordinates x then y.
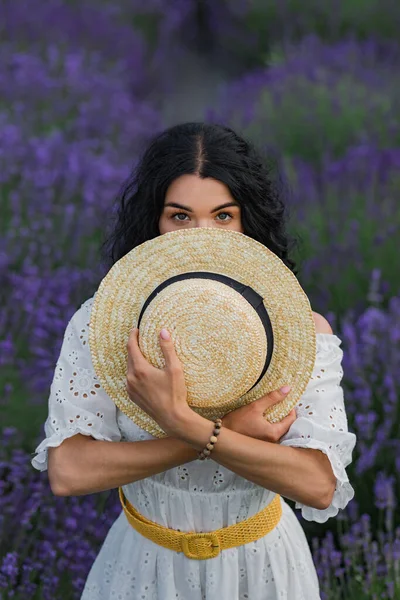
{"type": "Point", "coordinates": [9, 568]}
{"type": "Point", "coordinates": [384, 491]}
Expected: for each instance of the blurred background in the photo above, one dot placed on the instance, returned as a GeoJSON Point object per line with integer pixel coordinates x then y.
{"type": "Point", "coordinates": [83, 87]}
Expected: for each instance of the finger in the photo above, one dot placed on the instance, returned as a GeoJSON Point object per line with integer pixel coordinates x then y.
{"type": "Point", "coordinates": [168, 349]}
{"type": "Point", "coordinates": [136, 359]}
{"type": "Point", "coordinates": [273, 397]}
{"type": "Point", "coordinates": [278, 395]}
{"type": "Point", "coordinates": [283, 426]}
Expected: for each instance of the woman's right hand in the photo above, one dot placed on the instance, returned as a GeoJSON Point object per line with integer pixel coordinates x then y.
{"type": "Point", "coordinates": [249, 419]}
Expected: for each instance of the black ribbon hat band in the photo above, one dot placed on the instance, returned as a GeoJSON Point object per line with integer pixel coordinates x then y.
{"type": "Point", "coordinates": [247, 292]}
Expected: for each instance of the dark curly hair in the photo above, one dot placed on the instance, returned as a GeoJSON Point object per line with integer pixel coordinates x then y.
{"type": "Point", "coordinates": [208, 150]}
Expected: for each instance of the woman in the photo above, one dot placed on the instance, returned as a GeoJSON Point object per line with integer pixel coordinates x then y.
{"type": "Point", "coordinates": [198, 175]}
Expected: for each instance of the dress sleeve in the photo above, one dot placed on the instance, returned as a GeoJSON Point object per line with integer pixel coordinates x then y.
{"type": "Point", "coordinates": [77, 402]}
{"type": "Point", "coordinates": [322, 424]}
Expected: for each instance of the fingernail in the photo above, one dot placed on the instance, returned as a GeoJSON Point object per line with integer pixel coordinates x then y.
{"type": "Point", "coordinates": [285, 389]}
{"type": "Point", "coordinates": [165, 334]}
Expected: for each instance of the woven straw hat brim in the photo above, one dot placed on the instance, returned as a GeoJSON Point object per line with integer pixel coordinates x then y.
{"type": "Point", "coordinates": [124, 290]}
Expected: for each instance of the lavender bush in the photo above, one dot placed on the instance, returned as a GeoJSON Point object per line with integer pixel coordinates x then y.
{"type": "Point", "coordinates": [360, 565]}
{"type": "Point", "coordinates": [269, 23]}
{"type": "Point", "coordinates": [189, 24]}
{"type": "Point", "coordinates": [47, 543]}
{"type": "Point", "coordinates": [317, 99]}
{"type": "Point", "coordinates": [254, 27]}
{"type": "Point", "coordinates": [102, 29]}
{"type": "Point", "coordinates": [72, 121]}
{"type": "Point", "coordinates": [56, 90]}
{"type": "Point", "coordinates": [243, 32]}
{"type": "Point", "coordinates": [346, 214]}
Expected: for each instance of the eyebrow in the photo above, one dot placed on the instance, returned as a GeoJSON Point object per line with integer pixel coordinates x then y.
{"type": "Point", "coordinates": [176, 205]}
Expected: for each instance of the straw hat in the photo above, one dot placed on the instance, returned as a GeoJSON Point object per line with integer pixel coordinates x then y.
{"type": "Point", "coordinates": [241, 324]}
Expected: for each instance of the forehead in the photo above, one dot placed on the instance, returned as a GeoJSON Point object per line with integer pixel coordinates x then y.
{"type": "Point", "coordinates": [191, 188]}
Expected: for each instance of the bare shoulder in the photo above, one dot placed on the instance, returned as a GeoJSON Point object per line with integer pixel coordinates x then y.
{"type": "Point", "coordinates": [321, 324]}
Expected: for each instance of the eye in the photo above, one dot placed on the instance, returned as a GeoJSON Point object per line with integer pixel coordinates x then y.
{"type": "Point", "coordinates": [226, 214]}
{"type": "Point", "coordinates": [178, 215]}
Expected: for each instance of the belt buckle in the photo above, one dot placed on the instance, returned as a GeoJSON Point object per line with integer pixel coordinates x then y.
{"type": "Point", "coordinates": [209, 549]}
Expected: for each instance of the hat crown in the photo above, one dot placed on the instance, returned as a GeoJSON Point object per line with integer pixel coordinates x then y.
{"type": "Point", "coordinates": [214, 330]}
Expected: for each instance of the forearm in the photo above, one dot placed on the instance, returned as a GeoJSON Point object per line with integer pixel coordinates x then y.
{"type": "Point", "coordinates": [94, 466]}
{"type": "Point", "coordinates": [300, 474]}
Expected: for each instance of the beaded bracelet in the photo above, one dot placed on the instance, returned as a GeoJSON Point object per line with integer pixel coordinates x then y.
{"type": "Point", "coordinates": [205, 453]}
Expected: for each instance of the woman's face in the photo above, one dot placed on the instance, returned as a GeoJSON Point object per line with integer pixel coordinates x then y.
{"type": "Point", "coordinates": [194, 202]}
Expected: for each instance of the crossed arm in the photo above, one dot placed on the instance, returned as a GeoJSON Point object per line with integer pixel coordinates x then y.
{"type": "Point", "coordinates": [83, 465]}
{"type": "Point", "coordinates": [301, 474]}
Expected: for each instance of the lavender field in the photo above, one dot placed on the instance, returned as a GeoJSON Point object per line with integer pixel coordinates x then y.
{"type": "Point", "coordinates": [83, 86]}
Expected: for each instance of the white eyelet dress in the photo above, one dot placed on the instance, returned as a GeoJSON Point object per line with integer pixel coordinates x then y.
{"type": "Point", "coordinates": [200, 495]}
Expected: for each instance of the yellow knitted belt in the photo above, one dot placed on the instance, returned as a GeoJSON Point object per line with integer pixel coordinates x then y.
{"type": "Point", "coordinates": [205, 545]}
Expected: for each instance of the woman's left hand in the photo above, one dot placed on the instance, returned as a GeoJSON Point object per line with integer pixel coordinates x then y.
{"type": "Point", "coordinates": [161, 393]}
